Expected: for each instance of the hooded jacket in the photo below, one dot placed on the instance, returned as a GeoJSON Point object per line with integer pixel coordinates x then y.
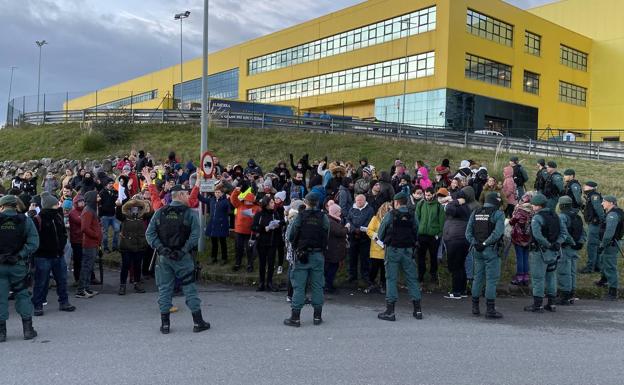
{"type": "Point", "coordinates": [387, 191]}
{"type": "Point", "coordinates": [219, 210]}
{"type": "Point", "coordinates": [521, 224]}
{"type": "Point", "coordinates": [132, 235]}
{"type": "Point", "coordinates": [244, 212]}
{"type": "Point", "coordinates": [90, 223]}
{"type": "Point", "coordinates": [424, 180]}
{"type": "Point", "coordinates": [430, 216]}
{"type": "Point", "coordinates": [509, 186]}
{"type": "Point", "coordinates": [337, 241]}
{"type": "Point", "coordinates": [456, 220]}
{"type": "Point", "coordinates": [52, 234]}
{"type": "Point", "coordinates": [75, 233]}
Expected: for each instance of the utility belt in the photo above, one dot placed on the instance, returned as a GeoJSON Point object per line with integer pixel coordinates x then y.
{"type": "Point", "coordinates": [303, 255]}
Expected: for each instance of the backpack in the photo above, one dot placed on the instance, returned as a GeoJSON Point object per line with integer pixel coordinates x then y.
{"type": "Point", "coordinates": [575, 226]}
{"type": "Point", "coordinates": [551, 227]}
{"type": "Point", "coordinates": [483, 226]}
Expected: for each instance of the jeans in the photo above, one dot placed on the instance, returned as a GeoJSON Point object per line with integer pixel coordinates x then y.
{"type": "Point", "coordinates": [108, 222]}
{"type": "Point", "coordinates": [331, 268]}
{"type": "Point", "coordinates": [522, 259]}
{"type": "Point", "coordinates": [134, 259]}
{"type": "Point", "coordinates": [266, 256]}
{"type": "Point", "coordinates": [43, 266]}
{"type": "Point", "coordinates": [88, 260]}
{"type": "Point", "coordinates": [216, 241]}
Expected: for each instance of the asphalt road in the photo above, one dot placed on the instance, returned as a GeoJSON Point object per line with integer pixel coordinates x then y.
{"type": "Point", "coordinates": [115, 340]}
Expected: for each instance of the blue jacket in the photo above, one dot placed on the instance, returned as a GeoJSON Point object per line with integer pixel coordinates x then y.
{"type": "Point", "coordinates": [219, 209]}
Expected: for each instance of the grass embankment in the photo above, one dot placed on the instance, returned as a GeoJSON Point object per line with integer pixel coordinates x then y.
{"type": "Point", "coordinates": [267, 147]}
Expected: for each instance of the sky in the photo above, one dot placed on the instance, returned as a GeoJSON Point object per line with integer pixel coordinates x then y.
{"type": "Point", "coordinates": [93, 44]}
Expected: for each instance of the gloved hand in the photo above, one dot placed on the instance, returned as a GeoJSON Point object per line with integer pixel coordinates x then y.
{"type": "Point", "coordinates": [164, 251]}
{"type": "Point", "coordinates": [555, 246]}
{"type": "Point", "coordinates": [479, 247]}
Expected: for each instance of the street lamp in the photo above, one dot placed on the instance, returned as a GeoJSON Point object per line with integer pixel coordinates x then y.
{"type": "Point", "coordinates": [39, 44]}
{"type": "Point", "coordinates": [203, 145]}
{"type": "Point", "coordinates": [181, 16]}
{"type": "Point", "coordinates": [9, 108]}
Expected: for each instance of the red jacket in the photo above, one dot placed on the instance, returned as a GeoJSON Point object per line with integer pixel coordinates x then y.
{"type": "Point", "coordinates": [244, 217]}
{"type": "Point", "coordinates": [75, 232]}
{"type": "Point", "coordinates": [91, 229]}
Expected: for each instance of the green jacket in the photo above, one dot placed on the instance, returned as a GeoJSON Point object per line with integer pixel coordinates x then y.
{"type": "Point", "coordinates": [611, 224]}
{"type": "Point", "coordinates": [32, 238]}
{"type": "Point", "coordinates": [431, 217]}
{"type": "Point", "coordinates": [190, 217]}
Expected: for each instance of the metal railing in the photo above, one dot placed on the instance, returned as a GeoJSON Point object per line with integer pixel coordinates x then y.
{"type": "Point", "coordinates": [608, 151]}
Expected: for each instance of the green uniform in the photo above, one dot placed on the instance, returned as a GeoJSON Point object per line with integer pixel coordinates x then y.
{"type": "Point", "coordinates": [610, 246]}
{"type": "Point", "coordinates": [399, 258]}
{"type": "Point", "coordinates": [313, 270]}
{"type": "Point", "coordinates": [594, 215]}
{"type": "Point", "coordinates": [553, 189]}
{"type": "Point", "coordinates": [566, 267]}
{"type": "Point", "coordinates": [487, 263]}
{"type": "Point", "coordinates": [542, 258]}
{"type": "Point", "coordinates": [15, 277]}
{"type": "Point", "coordinates": [574, 191]}
{"type": "Point", "coordinates": [169, 269]}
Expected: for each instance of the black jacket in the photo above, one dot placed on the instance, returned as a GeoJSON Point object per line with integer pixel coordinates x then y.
{"type": "Point", "coordinates": [107, 203]}
{"type": "Point", "coordinates": [52, 234]}
{"type": "Point", "coordinates": [260, 221]}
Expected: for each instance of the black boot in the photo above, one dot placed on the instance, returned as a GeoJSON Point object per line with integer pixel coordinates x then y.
{"type": "Point", "coordinates": [165, 325]}
{"type": "Point", "coordinates": [572, 296]}
{"type": "Point", "coordinates": [417, 310]}
{"type": "Point", "coordinates": [536, 307]}
{"type": "Point", "coordinates": [200, 324]}
{"type": "Point", "coordinates": [475, 306]}
{"type": "Point", "coordinates": [29, 332]}
{"type": "Point", "coordinates": [602, 282]}
{"type": "Point", "coordinates": [294, 318]}
{"type": "Point", "coordinates": [550, 304]}
{"type": "Point", "coordinates": [388, 315]}
{"type": "Point", "coordinates": [318, 312]}
{"type": "Point", "coordinates": [565, 298]}
{"type": "Point", "coordinates": [611, 294]}
{"type": "Point", "coordinates": [2, 331]}
{"type": "Point", "coordinates": [491, 312]}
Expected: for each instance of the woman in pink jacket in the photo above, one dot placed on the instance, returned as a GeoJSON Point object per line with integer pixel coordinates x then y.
{"type": "Point", "coordinates": [510, 191]}
{"type": "Point", "coordinates": [422, 178]}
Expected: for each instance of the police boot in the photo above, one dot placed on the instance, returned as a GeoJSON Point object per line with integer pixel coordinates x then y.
{"type": "Point", "coordinates": [475, 306]}
{"type": "Point", "coordinates": [200, 324]}
{"type": "Point", "coordinates": [491, 312]}
{"type": "Point", "coordinates": [318, 311]}
{"type": "Point", "coordinates": [294, 318]}
{"type": "Point", "coordinates": [536, 307]}
{"type": "Point", "coordinates": [417, 310]}
{"type": "Point", "coordinates": [565, 299]}
{"type": "Point", "coordinates": [165, 325]}
{"type": "Point", "coordinates": [2, 331]}
{"type": "Point", "coordinates": [388, 315]}
{"type": "Point", "coordinates": [550, 305]}
{"type": "Point", "coordinates": [29, 332]}
{"type": "Point", "coordinates": [611, 294]}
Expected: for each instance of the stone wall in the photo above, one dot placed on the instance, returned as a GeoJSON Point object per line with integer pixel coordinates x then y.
{"type": "Point", "coordinates": [8, 168]}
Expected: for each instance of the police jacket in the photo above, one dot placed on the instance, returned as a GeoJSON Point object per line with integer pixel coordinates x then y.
{"type": "Point", "coordinates": [31, 237]}
{"type": "Point", "coordinates": [612, 228]}
{"type": "Point", "coordinates": [537, 230]}
{"type": "Point", "coordinates": [594, 213]}
{"type": "Point", "coordinates": [190, 217]}
{"type": "Point", "coordinates": [497, 218]}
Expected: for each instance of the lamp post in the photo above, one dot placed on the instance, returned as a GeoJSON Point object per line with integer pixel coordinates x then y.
{"type": "Point", "coordinates": [181, 16]}
{"type": "Point", "coordinates": [40, 44]}
{"type": "Point", "coordinates": [203, 145]}
{"type": "Point", "coordinates": [9, 108]}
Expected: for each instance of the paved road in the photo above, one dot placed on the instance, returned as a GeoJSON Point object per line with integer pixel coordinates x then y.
{"type": "Point", "coordinates": [115, 340]}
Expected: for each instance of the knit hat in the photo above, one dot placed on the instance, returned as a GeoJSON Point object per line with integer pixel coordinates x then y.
{"type": "Point", "coordinates": [551, 164]}
{"type": "Point", "coordinates": [569, 172]}
{"type": "Point", "coordinates": [591, 184]}
{"type": "Point", "coordinates": [367, 170]}
{"type": "Point", "coordinates": [539, 200]}
{"type": "Point", "coordinates": [281, 195]}
{"type": "Point", "coordinates": [48, 201]}
{"type": "Point", "coordinates": [541, 162]}
{"type": "Point", "coordinates": [493, 198]}
{"type": "Point", "coordinates": [610, 198]}
{"type": "Point", "coordinates": [334, 211]}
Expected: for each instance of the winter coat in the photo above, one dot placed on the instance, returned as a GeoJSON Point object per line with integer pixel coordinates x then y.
{"type": "Point", "coordinates": [261, 220]}
{"type": "Point", "coordinates": [375, 201]}
{"type": "Point", "coordinates": [75, 233]}
{"type": "Point", "coordinates": [91, 228]}
{"type": "Point", "coordinates": [132, 236]}
{"type": "Point", "coordinates": [424, 181]}
{"type": "Point", "coordinates": [456, 221]}
{"type": "Point", "coordinates": [430, 218]}
{"type": "Point", "coordinates": [219, 209]}
{"type": "Point", "coordinates": [345, 200]}
{"type": "Point", "coordinates": [509, 186]}
{"type": "Point", "coordinates": [376, 252]}
{"type": "Point", "coordinates": [52, 234]}
{"type": "Point", "coordinates": [244, 213]}
{"type": "Point", "coordinates": [107, 203]}
{"type": "Point", "coordinates": [487, 189]}
{"type": "Point", "coordinates": [521, 224]}
{"type": "Point", "coordinates": [29, 186]}
{"type": "Point", "coordinates": [359, 217]}
{"type": "Point", "coordinates": [361, 186]}
{"type": "Point", "coordinates": [337, 241]}
{"type": "Point", "coordinates": [50, 185]}
{"type": "Point", "coordinates": [387, 191]}
{"type": "Point", "coordinates": [320, 190]}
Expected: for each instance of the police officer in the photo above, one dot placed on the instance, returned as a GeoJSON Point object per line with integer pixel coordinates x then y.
{"type": "Point", "coordinates": [572, 188]}
{"type": "Point", "coordinates": [18, 240]}
{"type": "Point", "coordinates": [173, 232]}
{"type": "Point", "coordinates": [540, 177]}
{"type": "Point", "coordinates": [594, 215]}
{"type": "Point", "coordinates": [485, 230]}
{"type": "Point", "coordinates": [549, 233]}
{"type": "Point", "coordinates": [611, 231]}
{"type": "Point", "coordinates": [308, 235]}
{"type": "Point", "coordinates": [553, 185]}
{"type": "Point", "coordinates": [399, 232]}
{"type": "Point", "coordinates": [566, 267]}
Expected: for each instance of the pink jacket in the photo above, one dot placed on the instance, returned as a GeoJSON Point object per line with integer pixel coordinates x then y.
{"type": "Point", "coordinates": [509, 186]}
{"type": "Point", "coordinates": [424, 182]}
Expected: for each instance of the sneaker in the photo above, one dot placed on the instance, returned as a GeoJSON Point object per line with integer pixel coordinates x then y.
{"type": "Point", "coordinates": [83, 294]}
{"type": "Point", "coordinates": [38, 312]}
{"type": "Point", "coordinates": [517, 280]}
{"type": "Point", "coordinates": [288, 298]}
{"type": "Point", "coordinates": [67, 307]}
{"type": "Point", "coordinates": [92, 293]}
{"type": "Point", "coordinates": [280, 270]}
{"type": "Point", "coordinates": [370, 289]}
{"type": "Point", "coordinates": [453, 296]}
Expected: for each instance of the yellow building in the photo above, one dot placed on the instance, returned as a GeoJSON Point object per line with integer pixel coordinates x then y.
{"type": "Point", "coordinates": [461, 64]}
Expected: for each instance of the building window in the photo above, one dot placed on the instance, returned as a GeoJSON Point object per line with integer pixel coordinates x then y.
{"type": "Point", "coordinates": [489, 28]}
{"type": "Point", "coordinates": [413, 23]}
{"type": "Point", "coordinates": [130, 100]}
{"type": "Point", "coordinates": [573, 58]}
{"type": "Point", "coordinates": [418, 66]}
{"type": "Point", "coordinates": [222, 85]}
{"type": "Point", "coordinates": [532, 43]}
{"type": "Point", "coordinates": [531, 82]}
{"type": "Point", "coordinates": [488, 71]}
{"type": "Point", "coordinates": [572, 94]}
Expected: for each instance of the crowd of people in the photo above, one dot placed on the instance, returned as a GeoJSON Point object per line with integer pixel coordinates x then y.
{"type": "Point", "coordinates": [466, 216]}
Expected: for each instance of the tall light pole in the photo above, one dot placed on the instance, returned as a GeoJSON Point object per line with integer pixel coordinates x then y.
{"type": "Point", "coordinates": [40, 44]}
{"type": "Point", "coordinates": [203, 145]}
{"type": "Point", "coordinates": [9, 102]}
{"type": "Point", "coordinates": [181, 16]}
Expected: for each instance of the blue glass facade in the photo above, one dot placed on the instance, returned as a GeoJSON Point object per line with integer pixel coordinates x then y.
{"type": "Point", "coordinates": [422, 108]}
{"type": "Point", "coordinates": [222, 85]}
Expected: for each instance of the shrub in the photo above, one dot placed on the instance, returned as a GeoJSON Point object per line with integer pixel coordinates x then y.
{"type": "Point", "coordinates": [92, 142]}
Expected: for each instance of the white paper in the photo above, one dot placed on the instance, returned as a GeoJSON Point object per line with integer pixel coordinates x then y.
{"type": "Point", "coordinates": [380, 243]}
{"type": "Point", "coordinates": [362, 228]}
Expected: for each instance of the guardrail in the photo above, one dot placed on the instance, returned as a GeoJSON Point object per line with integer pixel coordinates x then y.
{"type": "Point", "coordinates": [432, 134]}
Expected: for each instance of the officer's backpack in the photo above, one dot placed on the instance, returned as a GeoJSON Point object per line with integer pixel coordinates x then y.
{"type": "Point", "coordinates": [173, 230]}
{"type": "Point", "coordinates": [311, 234]}
{"type": "Point", "coordinates": [401, 234]}
{"type": "Point", "coordinates": [551, 227]}
{"type": "Point", "coordinates": [12, 237]}
{"type": "Point", "coordinates": [483, 226]}
{"type": "Point", "coordinates": [575, 226]}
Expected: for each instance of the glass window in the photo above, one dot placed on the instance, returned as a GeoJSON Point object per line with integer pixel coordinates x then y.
{"type": "Point", "coordinates": [488, 71]}
{"type": "Point", "coordinates": [418, 66]}
{"type": "Point", "coordinates": [573, 58]}
{"type": "Point", "coordinates": [531, 82]}
{"type": "Point", "coordinates": [489, 28]}
{"type": "Point", "coordinates": [532, 43]}
{"type": "Point", "coordinates": [572, 94]}
{"type": "Point", "coordinates": [222, 85]}
{"type": "Point", "coordinates": [413, 23]}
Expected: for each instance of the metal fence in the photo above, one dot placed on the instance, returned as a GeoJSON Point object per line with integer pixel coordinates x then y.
{"type": "Point", "coordinates": [608, 151]}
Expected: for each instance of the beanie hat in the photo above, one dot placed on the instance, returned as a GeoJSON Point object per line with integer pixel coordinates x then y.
{"type": "Point", "coordinates": [334, 211]}
{"type": "Point", "coordinates": [48, 201]}
{"type": "Point", "coordinates": [539, 200]}
{"type": "Point", "coordinates": [446, 163]}
{"type": "Point", "coordinates": [493, 198]}
{"type": "Point", "coordinates": [281, 195]}
{"type": "Point", "coordinates": [443, 192]}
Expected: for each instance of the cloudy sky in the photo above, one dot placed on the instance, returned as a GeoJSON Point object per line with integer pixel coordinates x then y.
{"type": "Point", "coordinates": [95, 43]}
